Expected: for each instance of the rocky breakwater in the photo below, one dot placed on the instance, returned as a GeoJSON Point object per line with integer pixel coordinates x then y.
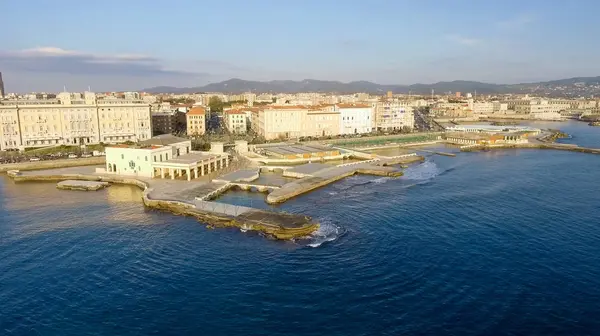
{"type": "Point", "coordinates": [554, 135]}
{"type": "Point", "coordinates": [81, 185]}
{"type": "Point", "coordinates": [276, 225]}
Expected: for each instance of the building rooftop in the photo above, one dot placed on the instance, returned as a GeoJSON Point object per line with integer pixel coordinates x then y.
{"type": "Point", "coordinates": [192, 158]}
{"type": "Point", "coordinates": [163, 140]}
{"type": "Point", "coordinates": [197, 111]}
{"type": "Point", "coordinates": [354, 105]}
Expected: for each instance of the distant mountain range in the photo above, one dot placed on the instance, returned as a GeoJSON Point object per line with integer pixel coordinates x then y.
{"type": "Point", "coordinates": [236, 85]}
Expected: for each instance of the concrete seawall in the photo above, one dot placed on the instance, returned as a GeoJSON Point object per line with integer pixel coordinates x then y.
{"type": "Point", "coordinates": [279, 226]}
{"type": "Point", "coordinates": [52, 164]}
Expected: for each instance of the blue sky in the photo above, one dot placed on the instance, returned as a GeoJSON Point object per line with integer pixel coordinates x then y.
{"type": "Point", "coordinates": [133, 44]}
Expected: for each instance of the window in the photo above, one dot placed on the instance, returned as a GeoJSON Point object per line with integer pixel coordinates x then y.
{"type": "Point", "coordinates": [122, 156]}
{"type": "Point", "coordinates": [146, 158]}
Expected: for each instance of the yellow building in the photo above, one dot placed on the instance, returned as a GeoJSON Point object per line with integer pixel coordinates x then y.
{"type": "Point", "coordinates": [73, 119]}
{"type": "Point", "coordinates": [196, 121]}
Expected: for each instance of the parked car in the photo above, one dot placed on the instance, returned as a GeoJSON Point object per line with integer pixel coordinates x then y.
{"type": "Point", "coordinates": [86, 155]}
{"type": "Point", "coordinates": [34, 159]}
{"type": "Point", "coordinates": [72, 156]}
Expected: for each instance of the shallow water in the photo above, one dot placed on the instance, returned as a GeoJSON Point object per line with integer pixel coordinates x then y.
{"type": "Point", "coordinates": [503, 242]}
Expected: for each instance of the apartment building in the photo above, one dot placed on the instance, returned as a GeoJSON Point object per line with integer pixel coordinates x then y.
{"type": "Point", "coordinates": [355, 118]}
{"type": "Point", "coordinates": [393, 115]}
{"type": "Point", "coordinates": [235, 121]}
{"type": "Point", "coordinates": [322, 121]}
{"type": "Point", "coordinates": [168, 122]}
{"type": "Point", "coordinates": [286, 121]}
{"type": "Point", "coordinates": [196, 121]}
{"type": "Point", "coordinates": [481, 108]}
{"type": "Point", "coordinates": [73, 119]}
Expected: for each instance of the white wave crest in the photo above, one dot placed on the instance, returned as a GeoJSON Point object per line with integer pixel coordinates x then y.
{"type": "Point", "coordinates": [327, 232]}
{"type": "Point", "coordinates": [422, 172]}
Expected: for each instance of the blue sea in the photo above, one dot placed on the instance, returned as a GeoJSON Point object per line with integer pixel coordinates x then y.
{"type": "Point", "coordinates": [493, 243]}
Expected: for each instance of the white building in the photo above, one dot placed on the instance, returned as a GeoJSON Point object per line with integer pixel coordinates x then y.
{"type": "Point", "coordinates": [235, 121]}
{"type": "Point", "coordinates": [355, 118]}
{"type": "Point", "coordinates": [164, 156]}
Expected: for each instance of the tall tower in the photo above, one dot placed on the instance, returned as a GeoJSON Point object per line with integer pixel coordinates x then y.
{"type": "Point", "coordinates": [2, 92]}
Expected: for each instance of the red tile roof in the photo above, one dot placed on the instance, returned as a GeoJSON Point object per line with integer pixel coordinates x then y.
{"type": "Point", "coordinates": [197, 111]}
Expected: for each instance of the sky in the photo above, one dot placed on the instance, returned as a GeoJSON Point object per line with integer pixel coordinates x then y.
{"type": "Point", "coordinates": [114, 45]}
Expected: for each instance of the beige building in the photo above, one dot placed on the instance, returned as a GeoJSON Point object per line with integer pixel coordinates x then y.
{"type": "Point", "coordinates": [322, 121]}
{"type": "Point", "coordinates": [393, 115]}
{"type": "Point", "coordinates": [283, 122]}
{"type": "Point", "coordinates": [235, 121]}
{"type": "Point", "coordinates": [73, 119]}
{"type": "Point", "coordinates": [196, 121]}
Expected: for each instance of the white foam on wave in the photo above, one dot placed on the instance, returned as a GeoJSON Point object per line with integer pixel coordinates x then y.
{"type": "Point", "coordinates": [327, 232]}
{"type": "Point", "coordinates": [422, 172]}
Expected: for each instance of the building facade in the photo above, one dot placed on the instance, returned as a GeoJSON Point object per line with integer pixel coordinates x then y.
{"type": "Point", "coordinates": [394, 115]}
{"type": "Point", "coordinates": [73, 119]}
{"type": "Point", "coordinates": [235, 121]}
{"type": "Point", "coordinates": [321, 122]}
{"type": "Point", "coordinates": [196, 121]}
{"type": "Point", "coordinates": [164, 156]}
{"type": "Point", "coordinates": [168, 122]}
{"type": "Point", "coordinates": [273, 122]}
{"type": "Point", "coordinates": [355, 118]}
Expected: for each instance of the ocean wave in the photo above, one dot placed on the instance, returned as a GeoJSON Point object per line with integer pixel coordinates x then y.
{"type": "Point", "coordinates": [327, 232]}
{"type": "Point", "coordinates": [422, 172]}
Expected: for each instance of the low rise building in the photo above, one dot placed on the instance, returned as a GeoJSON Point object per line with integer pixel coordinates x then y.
{"type": "Point", "coordinates": [196, 121]}
{"type": "Point", "coordinates": [164, 156]}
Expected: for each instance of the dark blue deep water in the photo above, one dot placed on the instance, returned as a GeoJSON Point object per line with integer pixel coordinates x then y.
{"type": "Point", "coordinates": [504, 242]}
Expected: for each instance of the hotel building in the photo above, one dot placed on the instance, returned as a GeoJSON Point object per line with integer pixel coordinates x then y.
{"type": "Point", "coordinates": [73, 119]}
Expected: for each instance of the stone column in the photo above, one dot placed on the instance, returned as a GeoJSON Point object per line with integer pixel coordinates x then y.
{"type": "Point", "coordinates": [202, 169]}
{"type": "Point", "coordinates": [162, 173]}
{"type": "Point", "coordinates": [188, 174]}
{"type": "Point", "coordinates": [226, 161]}
{"type": "Point", "coordinates": [196, 172]}
{"type": "Point", "coordinates": [209, 166]}
{"type": "Point", "coordinates": [172, 173]}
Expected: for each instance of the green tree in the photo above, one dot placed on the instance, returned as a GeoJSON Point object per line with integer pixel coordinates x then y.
{"type": "Point", "coordinates": [216, 104]}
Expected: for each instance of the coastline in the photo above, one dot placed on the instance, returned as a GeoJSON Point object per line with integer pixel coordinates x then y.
{"type": "Point", "coordinates": [257, 220]}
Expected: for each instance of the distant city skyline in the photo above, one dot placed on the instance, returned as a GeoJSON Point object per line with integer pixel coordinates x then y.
{"type": "Point", "coordinates": [187, 43]}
